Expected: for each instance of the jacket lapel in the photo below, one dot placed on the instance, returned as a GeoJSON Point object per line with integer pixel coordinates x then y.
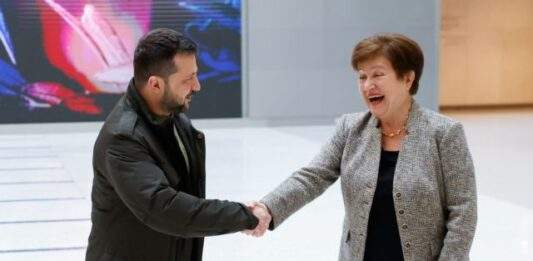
{"type": "Point", "coordinates": [408, 148]}
{"type": "Point", "coordinates": [192, 141]}
{"type": "Point", "coordinates": [373, 150]}
{"type": "Point", "coordinates": [186, 140]}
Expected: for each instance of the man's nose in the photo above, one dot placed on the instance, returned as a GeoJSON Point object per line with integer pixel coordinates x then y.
{"type": "Point", "coordinates": [196, 86]}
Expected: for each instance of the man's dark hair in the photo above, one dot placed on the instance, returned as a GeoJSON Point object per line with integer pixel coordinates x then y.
{"type": "Point", "coordinates": [155, 52]}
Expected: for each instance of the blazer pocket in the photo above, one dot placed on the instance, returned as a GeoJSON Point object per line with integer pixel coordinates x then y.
{"type": "Point", "coordinates": [346, 253]}
{"type": "Point", "coordinates": [349, 243]}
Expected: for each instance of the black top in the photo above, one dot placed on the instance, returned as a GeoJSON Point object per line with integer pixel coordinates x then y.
{"type": "Point", "coordinates": [383, 239]}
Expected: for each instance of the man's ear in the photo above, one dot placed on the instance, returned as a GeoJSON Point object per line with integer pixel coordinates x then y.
{"type": "Point", "coordinates": [154, 84]}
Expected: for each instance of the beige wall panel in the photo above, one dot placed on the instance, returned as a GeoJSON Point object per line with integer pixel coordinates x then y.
{"type": "Point", "coordinates": [484, 67]}
{"type": "Point", "coordinates": [518, 66]}
{"type": "Point", "coordinates": [486, 52]}
{"type": "Point", "coordinates": [455, 78]}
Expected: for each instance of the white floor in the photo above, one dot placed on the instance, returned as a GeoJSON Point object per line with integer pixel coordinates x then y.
{"type": "Point", "coordinates": [45, 188]}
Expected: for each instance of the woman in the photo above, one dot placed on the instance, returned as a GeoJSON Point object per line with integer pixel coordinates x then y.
{"type": "Point", "coordinates": [406, 172]}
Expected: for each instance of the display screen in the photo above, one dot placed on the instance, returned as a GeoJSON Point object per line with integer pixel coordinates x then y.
{"type": "Point", "coordinates": [71, 60]}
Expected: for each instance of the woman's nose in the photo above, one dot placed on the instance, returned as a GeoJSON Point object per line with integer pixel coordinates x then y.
{"type": "Point", "coordinates": [367, 84]}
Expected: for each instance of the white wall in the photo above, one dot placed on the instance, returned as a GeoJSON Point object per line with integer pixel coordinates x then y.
{"type": "Point", "coordinates": [298, 52]}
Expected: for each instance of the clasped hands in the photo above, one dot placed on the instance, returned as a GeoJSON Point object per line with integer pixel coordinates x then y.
{"type": "Point", "coordinates": [262, 213]}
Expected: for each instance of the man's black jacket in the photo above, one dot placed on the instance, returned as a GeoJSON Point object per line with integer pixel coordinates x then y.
{"type": "Point", "coordinates": [145, 204]}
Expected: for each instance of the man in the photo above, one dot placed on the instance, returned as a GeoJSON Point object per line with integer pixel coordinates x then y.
{"type": "Point", "coordinates": [149, 165]}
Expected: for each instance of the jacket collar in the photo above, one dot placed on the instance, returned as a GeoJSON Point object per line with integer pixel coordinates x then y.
{"type": "Point", "coordinates": [139, 105]}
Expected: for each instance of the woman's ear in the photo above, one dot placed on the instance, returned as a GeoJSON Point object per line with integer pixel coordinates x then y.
{"type": "Point", "coordinates": [409, 78]}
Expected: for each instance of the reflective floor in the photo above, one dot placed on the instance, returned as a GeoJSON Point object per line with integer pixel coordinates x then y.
{"type": "Point", "coordinates": [45, 182]}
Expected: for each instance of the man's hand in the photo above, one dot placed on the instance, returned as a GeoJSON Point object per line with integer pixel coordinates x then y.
{"type": "Point", "coordinates": [261, 212]}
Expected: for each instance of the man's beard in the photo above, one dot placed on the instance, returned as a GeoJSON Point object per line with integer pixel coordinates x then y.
{"type": "Point", "coordinates": [170, 104]}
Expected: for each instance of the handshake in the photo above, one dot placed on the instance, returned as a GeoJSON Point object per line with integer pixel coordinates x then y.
{"type": "Point", "coordinates": [262, 213]}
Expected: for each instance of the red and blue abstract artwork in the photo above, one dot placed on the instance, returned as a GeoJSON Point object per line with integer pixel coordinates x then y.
{"type": "Point", "coordinates": [70, 60]}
